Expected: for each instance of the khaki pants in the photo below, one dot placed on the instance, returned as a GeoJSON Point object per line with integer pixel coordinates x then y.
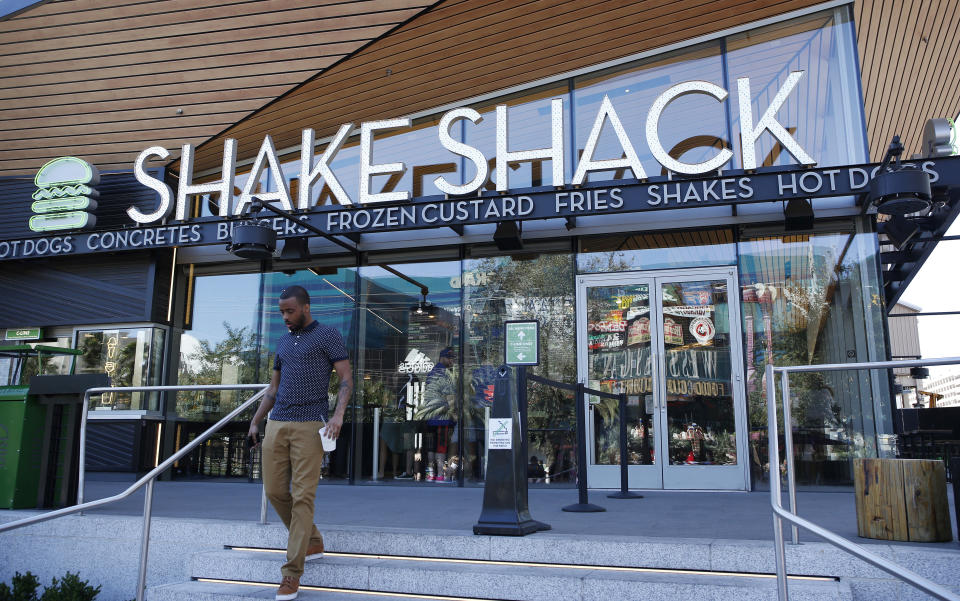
{"type": "Point", "coordinates": [292, 457]}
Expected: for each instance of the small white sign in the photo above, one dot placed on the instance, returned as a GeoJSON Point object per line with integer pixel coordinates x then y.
{"type": "Point", "coordinates": [500, 433]}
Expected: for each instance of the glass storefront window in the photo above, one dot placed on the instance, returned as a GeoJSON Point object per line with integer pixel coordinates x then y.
{"type": "Point", "coordinates": [808, 299]}
{"type": "Point", "coordinates": [408, 368]}
{"type": "Point", "coordinates": [221, 346]}
{"type": "Point", "coordinates": [332, 302]}
{"type": "Point", "coordinates": [131, 357]}
{"type": "Point", "coordinates": [665, 250]}
{"type": "Point", "coordinates": [498, 289]}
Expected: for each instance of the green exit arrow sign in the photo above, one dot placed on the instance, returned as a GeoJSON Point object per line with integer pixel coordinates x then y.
{"type": "Point", "coordinates": [522, 340]}
{"type": "Point", "coordinates": [23, 334]}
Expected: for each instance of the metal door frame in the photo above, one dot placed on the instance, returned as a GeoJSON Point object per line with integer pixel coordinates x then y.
{"type": "Point", "coordinates": [729, 477]}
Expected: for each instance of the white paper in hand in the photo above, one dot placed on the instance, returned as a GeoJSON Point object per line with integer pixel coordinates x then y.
{"type": "Point", "coordinates": [329, 444]}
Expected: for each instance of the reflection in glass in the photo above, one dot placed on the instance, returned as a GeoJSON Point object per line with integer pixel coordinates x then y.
{"type": "Point", "coordinates": [664, 250]}
{"type": "Point", "coordinates": [409, 373]}
{"type": "Point", "coordinates": [619, 360]}
{"type": "Point", "coordinates": [699, 384]}
{"type": "Point", "coordinates": [127, 356]}
{"type": "Point", "coordinates": [633, 88]}
{"type": "Point", "coordinates": [498, 289]}
{"type": "Point", "coordinates": [808, 299]}
{"type": "Point", "coordinates": [221, 347]}
{"type": "Point", "coordinates": [823, 112]}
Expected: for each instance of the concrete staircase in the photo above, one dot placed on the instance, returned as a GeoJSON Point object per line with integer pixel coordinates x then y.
{"type": "Point", "coordinates": [396, 564]}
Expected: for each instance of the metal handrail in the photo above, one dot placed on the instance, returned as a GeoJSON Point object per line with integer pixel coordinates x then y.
{"type": "Point", "coordinates": [150, 477]}
{"type": "Point", "coordinates": [780, 514]}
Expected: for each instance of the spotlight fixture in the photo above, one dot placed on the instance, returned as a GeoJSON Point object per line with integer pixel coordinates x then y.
{"type": "Point", "coordinates": [251, 240]}
{"type": "Point", "coordinates": [919, 373]}
{"type": "Point", "coordinates": [798, 215]}
{"type": "Point", "coordinates": [899, 189]}
{"type": "Point", "coordinates": [507, 236]}
{"type": "Point", "coordinates": [899, 230]}
{"type": "Point", "coordinates": [295, 249]}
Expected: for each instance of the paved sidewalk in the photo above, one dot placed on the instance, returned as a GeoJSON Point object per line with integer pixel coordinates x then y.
{"type": "Point", "coordinates": [742, 516]}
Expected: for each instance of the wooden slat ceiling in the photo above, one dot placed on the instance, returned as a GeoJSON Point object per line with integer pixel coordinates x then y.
{"type": "Point", "coordinates": [909, 67]}
{"type": "Point", "coordinates": [104, 79]}
{"type": "Point", "coordinates": [465, 48]}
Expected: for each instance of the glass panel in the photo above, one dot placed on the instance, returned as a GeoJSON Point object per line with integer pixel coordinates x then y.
{"type": "Point", "coordinates": [498, 289]}
{"type": "Point", "coordinates": [809, 299]}
{"type": "Point", "coordinates": [409, 372]}
{"type": "Point", "coordinates": [823, 111]}
{"type": "Point", "coordinates": [528, 119]}
{"type": "Point", "coordinates": [635, 252]}
{"type": "Point", "coordinates": [124, 355]}
{"type": "Point", "coordinates": [221, 346]}
{"type": "Point", "coordinates": [619, 359]}
{"type": "Point", "coordinates": [633, 89]}
{"type": "Point", "coordinates": [332, 302]}
{"type": "Point", "coordinates": [700, 409]}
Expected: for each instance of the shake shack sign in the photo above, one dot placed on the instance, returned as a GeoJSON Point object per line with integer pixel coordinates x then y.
{"type": "Point", "coordinates": [167, 224]}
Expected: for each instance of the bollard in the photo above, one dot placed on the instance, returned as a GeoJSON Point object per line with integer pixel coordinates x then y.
{"type": "Point", "coordinates": [505, 509]}
{"type": "Point", "coordinates": [624, 484]}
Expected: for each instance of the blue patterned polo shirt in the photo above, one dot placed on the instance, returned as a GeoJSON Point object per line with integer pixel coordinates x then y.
{"type": "Point", "coordinates": [304, 359]}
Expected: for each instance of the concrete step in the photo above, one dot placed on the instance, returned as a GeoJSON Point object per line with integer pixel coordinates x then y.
{"type": "Point", "coordinates": [196, 590]}
{"type": "Point", "coordinates": [497, 580]}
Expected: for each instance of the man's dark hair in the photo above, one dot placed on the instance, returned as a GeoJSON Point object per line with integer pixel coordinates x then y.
{"type": "Point", "coordinates": [297, 292]}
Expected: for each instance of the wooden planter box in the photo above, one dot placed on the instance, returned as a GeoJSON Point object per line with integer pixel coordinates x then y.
{"type": "Point", "coordinates": [902, 499]}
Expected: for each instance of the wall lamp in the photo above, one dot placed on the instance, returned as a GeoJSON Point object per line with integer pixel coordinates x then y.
{"type": "Point", "coordinates": [798, 214]}
{"type": "Point", "coordinates": [254, 240]}
{"type": "Point", "coordinates": [507, 236]}
{"type": "Point", "coordinates": [899, 189]}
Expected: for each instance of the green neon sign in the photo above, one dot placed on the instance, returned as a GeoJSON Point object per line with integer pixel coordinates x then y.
{"type": "Point", "coordinates": [65, 193]}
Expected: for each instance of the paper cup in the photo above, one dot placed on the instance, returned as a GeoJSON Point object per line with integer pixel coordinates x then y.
{"type": "Point", "coordinates": [329, 444]}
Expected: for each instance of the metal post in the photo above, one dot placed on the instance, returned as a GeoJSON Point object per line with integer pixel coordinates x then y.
{"type": "Point", "coordinates": [522, 407]}
{"type": "Point", "coordinates": [81, 480]}
{"type": "Point", "coordinates": [145, 541]}
{"type": "Point", "coordinates": [376, 442]}
{"type": "Point", "coordinates": [788, 450]}
{"type": "Point", "coordinates": [624, 476]}
{"type": "Point", "coordinates": [773, 460]}
{"type": "Point", "coordinates": [584, 504]}
{"type": "Point", "coordinates": [263, 501]}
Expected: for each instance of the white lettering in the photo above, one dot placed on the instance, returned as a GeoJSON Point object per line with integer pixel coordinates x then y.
{"type": "Point", "coordinates": [266, 158]}
{"type": "Point", "coordinates": [309, 174]}
{"type": "Point", "coordinates": [461, 149]}
{"type": "Point", "coordinates": [224, 187]}
{"type": "Point", "coordinates": [162, 189]}
{"type": "Point", "coordinates": [749, 132]}
{"type": "Point", "coordinates": [554, 152]}
{"type": "Point", "coordinates": [368, 169]}
{"type": "Point", "coordinates": [588, 163]}
{"type": "Point", "coordinates": [653, 126]}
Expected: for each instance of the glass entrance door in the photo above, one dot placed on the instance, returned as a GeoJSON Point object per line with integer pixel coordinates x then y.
{"type": "Point", "coordinates": [671, 341]}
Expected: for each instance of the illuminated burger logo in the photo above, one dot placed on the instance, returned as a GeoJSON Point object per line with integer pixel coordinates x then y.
{"type": "Point", "coordinates": [65, 195]}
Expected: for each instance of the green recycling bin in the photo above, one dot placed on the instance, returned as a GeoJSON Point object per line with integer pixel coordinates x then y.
{"type": "Point", "coordinates": [21, 443]}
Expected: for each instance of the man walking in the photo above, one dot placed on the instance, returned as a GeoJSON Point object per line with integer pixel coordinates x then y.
{"type": "Point", "coordinates": [292, 449]}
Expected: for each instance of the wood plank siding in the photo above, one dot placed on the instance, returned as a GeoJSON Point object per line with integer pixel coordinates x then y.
{"type": "Point", "coordinates": [909, 67]}
{"type": "Point", "coordinates": [464, 48]}
{"type": "Point", "coordinates": [104, 79]}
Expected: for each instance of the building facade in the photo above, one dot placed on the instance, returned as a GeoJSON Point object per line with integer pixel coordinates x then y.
{"type": "Point", "coordinates": [678, 197]}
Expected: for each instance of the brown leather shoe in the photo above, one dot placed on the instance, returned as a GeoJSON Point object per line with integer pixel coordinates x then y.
{"type": "Point", "coordinates": [289, 588]}
{"type": "Point", "coordinates": [314, 551]}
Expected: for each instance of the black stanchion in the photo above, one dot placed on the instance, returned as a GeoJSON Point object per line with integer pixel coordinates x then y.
{"type": "Point", "coordinates": [584, 506]}
{"type": "Point", "coordinates": [505, 506]}
{"type": "Point", "coordinates": [624, 484]}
